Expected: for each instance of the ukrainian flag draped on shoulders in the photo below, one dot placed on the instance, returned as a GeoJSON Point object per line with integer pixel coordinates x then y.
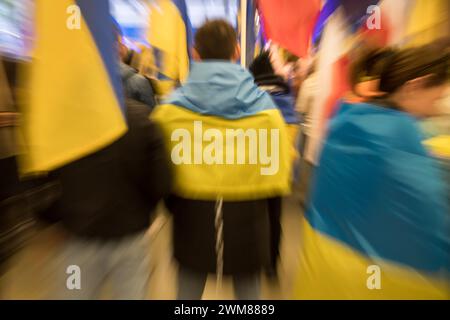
{"type": "Point", "coordinates": [170, 35]}
{"type": "Point", "coordinates": [75, 95]}
{"type": "Point", "coordinates": [217, 107]}
{"type": "Point", "coordinates": [377, 225]}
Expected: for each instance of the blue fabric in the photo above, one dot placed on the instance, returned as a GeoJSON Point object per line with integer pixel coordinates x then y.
{"type": "Point", "coordinates": [378, 191]}
{"type": "Point", "coordinates": [251, 33]}
{"type": "Point", "coordinates": [285, 103]}
{"type": "Point", "coordinates": [222, 89]}
{"type": "Point", "coordinates": [97, 16]}
{"type": "Point", "coordinates": [327, 10]}
{"type": "Point", "coordinates": [181, 5]}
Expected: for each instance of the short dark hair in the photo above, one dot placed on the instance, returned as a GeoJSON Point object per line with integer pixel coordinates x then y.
{"type": "Point", "coordinates": [261, 65]}
{"type": "Point", "coordinates": [216, 39]}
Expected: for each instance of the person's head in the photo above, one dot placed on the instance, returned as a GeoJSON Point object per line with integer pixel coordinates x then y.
{"type": "Point", "coordinates": [216, 40]}
{"type": "Point", "coordinates": [261, 65]}
{"type": "Point", "coordinates": [413, 79]}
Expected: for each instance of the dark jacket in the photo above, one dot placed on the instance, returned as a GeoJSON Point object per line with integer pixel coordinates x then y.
{"type": "Point", "coordinates": [136, 86]}
{"type": "Point", "coordinates": [246, 235]}
{"type": "Point", "coordinates": [281, 95]}
{"type": "Point", "coordinates": [112, 192]}
{"type": "Point", "coordinates": [280, 91]}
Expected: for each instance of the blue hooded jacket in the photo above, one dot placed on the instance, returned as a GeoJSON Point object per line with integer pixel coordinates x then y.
{"type": "Point", "coordinates": [378, 191]}
{"type": "Point", "coordinates": [222, 89]}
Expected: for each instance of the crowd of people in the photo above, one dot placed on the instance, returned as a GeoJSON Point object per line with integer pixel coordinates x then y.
{"type": "Point", "coordinates": [374, 174]}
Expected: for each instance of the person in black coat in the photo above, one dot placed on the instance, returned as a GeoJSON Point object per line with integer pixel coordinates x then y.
{"type": "Point", "coordinates": [106, 205]}
{"type": "Point", "coordinates": [136, 86]}
{"type": "Point", "coordinates": [266, 79]}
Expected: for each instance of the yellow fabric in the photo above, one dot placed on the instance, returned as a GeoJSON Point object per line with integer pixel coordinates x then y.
{"type": "Point", "coordinates": [73, 109]}
{"type": "Point", "coordinates": [293, 130]}
{"type": "Point", "coordinates": [428, 21]}
{"type": "Point", "coordinates": [230, 181]}
{"type": "Point", "coordinates": [330, 270]}
{"type": "Point", "coordinates": [164, 87]}
{"type": "Point", "coordinates": [147, 64]}
{"type": "Point", "coordinates": [439, 146]}
{"type": "Point", "coordinates": [167, 33]}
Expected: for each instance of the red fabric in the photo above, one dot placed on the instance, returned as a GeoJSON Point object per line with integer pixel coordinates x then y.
{"type": "Point", "coordinates": [340, 86]}
{"type": "Point", "coordinates": [290, 23]}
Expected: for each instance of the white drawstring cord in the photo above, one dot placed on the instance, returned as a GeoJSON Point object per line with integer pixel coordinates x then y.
{"type": "Point", "coordinates": [219, 244]}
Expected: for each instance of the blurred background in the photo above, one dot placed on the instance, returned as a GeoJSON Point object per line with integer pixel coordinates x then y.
{"type": "Point", "coordinates": [312, 46]}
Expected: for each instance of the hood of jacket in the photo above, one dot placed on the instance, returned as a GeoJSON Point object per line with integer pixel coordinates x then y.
{"type": "Point", "coordinates": [222, 89]}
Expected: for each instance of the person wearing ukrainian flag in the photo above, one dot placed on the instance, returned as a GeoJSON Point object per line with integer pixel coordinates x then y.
{"type": "Point", "coordinates": [230, 154]}
{"type": "Point", "coordinates": [378, 222]}
{"type": "Point", "coordinates": [105, 154]}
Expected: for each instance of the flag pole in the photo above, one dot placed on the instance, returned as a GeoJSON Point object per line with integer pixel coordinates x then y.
{"type": "Point", "coordinates": [243, 32]}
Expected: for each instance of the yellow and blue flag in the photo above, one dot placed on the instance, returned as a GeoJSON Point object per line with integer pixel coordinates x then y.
{"type": "Point", "coordinates": [170, 35]}
{"type": "Point", "coordinates": [377, 225]}
{"type": "Point", "coordinates": [227, 138]}
{"type": "Point", "coordinates": [75, 95]}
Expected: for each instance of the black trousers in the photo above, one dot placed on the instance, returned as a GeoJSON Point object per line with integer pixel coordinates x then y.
{"type": "Point", "coordinates": [9, 182]}
{"type": "Point", "coordinates": [275, 207]}
{"type": "Point", "coordinates": [9, 185]}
